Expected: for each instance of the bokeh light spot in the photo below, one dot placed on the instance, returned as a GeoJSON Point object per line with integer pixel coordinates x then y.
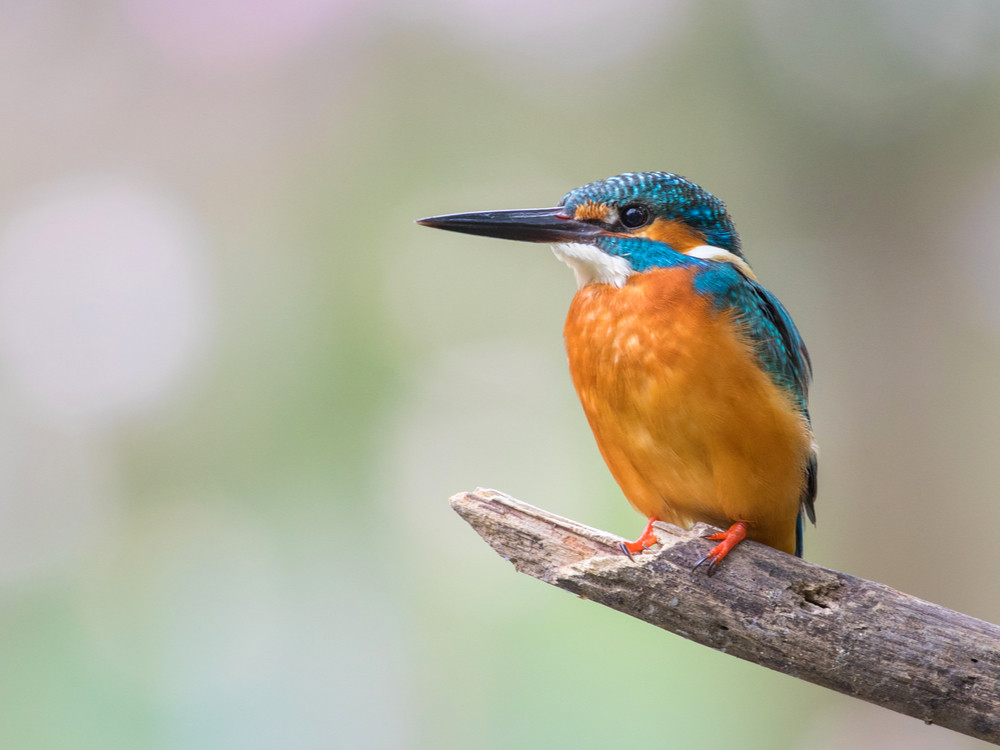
{"type": "Point", "coordinates": [103, 299]}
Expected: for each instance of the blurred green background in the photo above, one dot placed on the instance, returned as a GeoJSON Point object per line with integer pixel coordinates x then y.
{"type": "Point", "coordinates": [238, 384]}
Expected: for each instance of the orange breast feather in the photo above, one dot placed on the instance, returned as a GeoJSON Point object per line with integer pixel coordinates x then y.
{"type": "Point", "coordinates": [689, 425]}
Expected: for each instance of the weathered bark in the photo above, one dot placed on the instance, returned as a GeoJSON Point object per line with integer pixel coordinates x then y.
{"type": "Point", "coordinates": [855, 636]}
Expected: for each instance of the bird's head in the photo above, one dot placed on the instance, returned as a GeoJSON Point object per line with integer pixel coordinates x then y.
{"type": "Point", "coordinates": [608, 230]}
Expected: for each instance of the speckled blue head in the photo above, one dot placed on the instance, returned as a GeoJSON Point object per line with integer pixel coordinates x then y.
{"type": "Point", "coordinates": [665, 196]}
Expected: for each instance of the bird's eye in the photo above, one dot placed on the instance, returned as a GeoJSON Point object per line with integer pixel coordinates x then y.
{"type": "Point", "coordinates": [634, 216]}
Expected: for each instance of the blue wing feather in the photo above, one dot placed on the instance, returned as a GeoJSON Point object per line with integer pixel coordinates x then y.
{"type": "Point", "coordinates": [769, 326]}
{"type": "Point", "coordinates": [778, 343]}
{"type": "Point", "coordinates": [779, 346]}
{"type": "Point", "coordinates": [783, 352]}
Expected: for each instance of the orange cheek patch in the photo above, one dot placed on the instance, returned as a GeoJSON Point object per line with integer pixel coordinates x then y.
{"type": "Point", "coordinates": [591, 210]}
{"type": "Point", "coordinates": [677, 234]}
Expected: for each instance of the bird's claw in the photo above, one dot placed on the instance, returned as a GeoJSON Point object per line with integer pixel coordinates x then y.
{"type": "Point", "coordinates": [711, 559]}
{"type": "Point", "coordinates": [646, 540]}
{"type": "Point", "coordinates": [726, 541]}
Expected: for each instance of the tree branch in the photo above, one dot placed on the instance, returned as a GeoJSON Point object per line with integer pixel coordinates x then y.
{"type": "Point", "coordinates": [854, 636]}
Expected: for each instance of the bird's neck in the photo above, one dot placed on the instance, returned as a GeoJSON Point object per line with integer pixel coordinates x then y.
{"type": "Point", "coordinates": [617, 258]}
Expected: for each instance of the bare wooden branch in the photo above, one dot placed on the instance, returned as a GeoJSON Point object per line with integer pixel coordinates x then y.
{"type": "Point", "coordinates": [851, 635]}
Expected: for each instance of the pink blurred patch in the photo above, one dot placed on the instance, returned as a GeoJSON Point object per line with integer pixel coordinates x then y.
{"type": "Point", "coordinates": [234, 36]}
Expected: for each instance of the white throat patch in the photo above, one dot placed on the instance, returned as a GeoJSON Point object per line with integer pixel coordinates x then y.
{"type": "Point", "coordinates": [592, 266]}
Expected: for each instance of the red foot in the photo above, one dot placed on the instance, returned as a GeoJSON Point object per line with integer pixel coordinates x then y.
{"type": "Point", "coordinates": [727, 540]}
{"type": "Point", "coordinates": [644, 542]}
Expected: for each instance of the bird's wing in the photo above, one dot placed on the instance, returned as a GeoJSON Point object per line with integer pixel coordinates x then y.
{"type": "Point", "coordinates": [777, 343]}
{"type": "Point", "coordinates": [767, 324]}
{"type": "Point", "coordinates": [783, 353]}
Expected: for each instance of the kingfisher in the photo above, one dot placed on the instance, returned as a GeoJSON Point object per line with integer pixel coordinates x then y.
{"type": "Point", "coordinates": [692, 375]}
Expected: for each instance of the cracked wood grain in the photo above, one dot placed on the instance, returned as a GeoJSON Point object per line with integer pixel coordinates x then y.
{"type": "Point", "coordinates": [848, 634]}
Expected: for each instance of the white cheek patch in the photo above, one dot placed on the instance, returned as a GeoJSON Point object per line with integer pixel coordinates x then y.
{"type": "Point", "coordinates": [710, 252]}
{"type": "Point", "coordinates": [592, 266]}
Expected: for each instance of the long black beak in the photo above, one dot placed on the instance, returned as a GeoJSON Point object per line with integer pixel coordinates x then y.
{"type": "Point", "coordinates": [528, 225]}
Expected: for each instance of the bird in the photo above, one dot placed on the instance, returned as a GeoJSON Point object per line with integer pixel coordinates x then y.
{"type": "Point", "coordinates": [692, 375]}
